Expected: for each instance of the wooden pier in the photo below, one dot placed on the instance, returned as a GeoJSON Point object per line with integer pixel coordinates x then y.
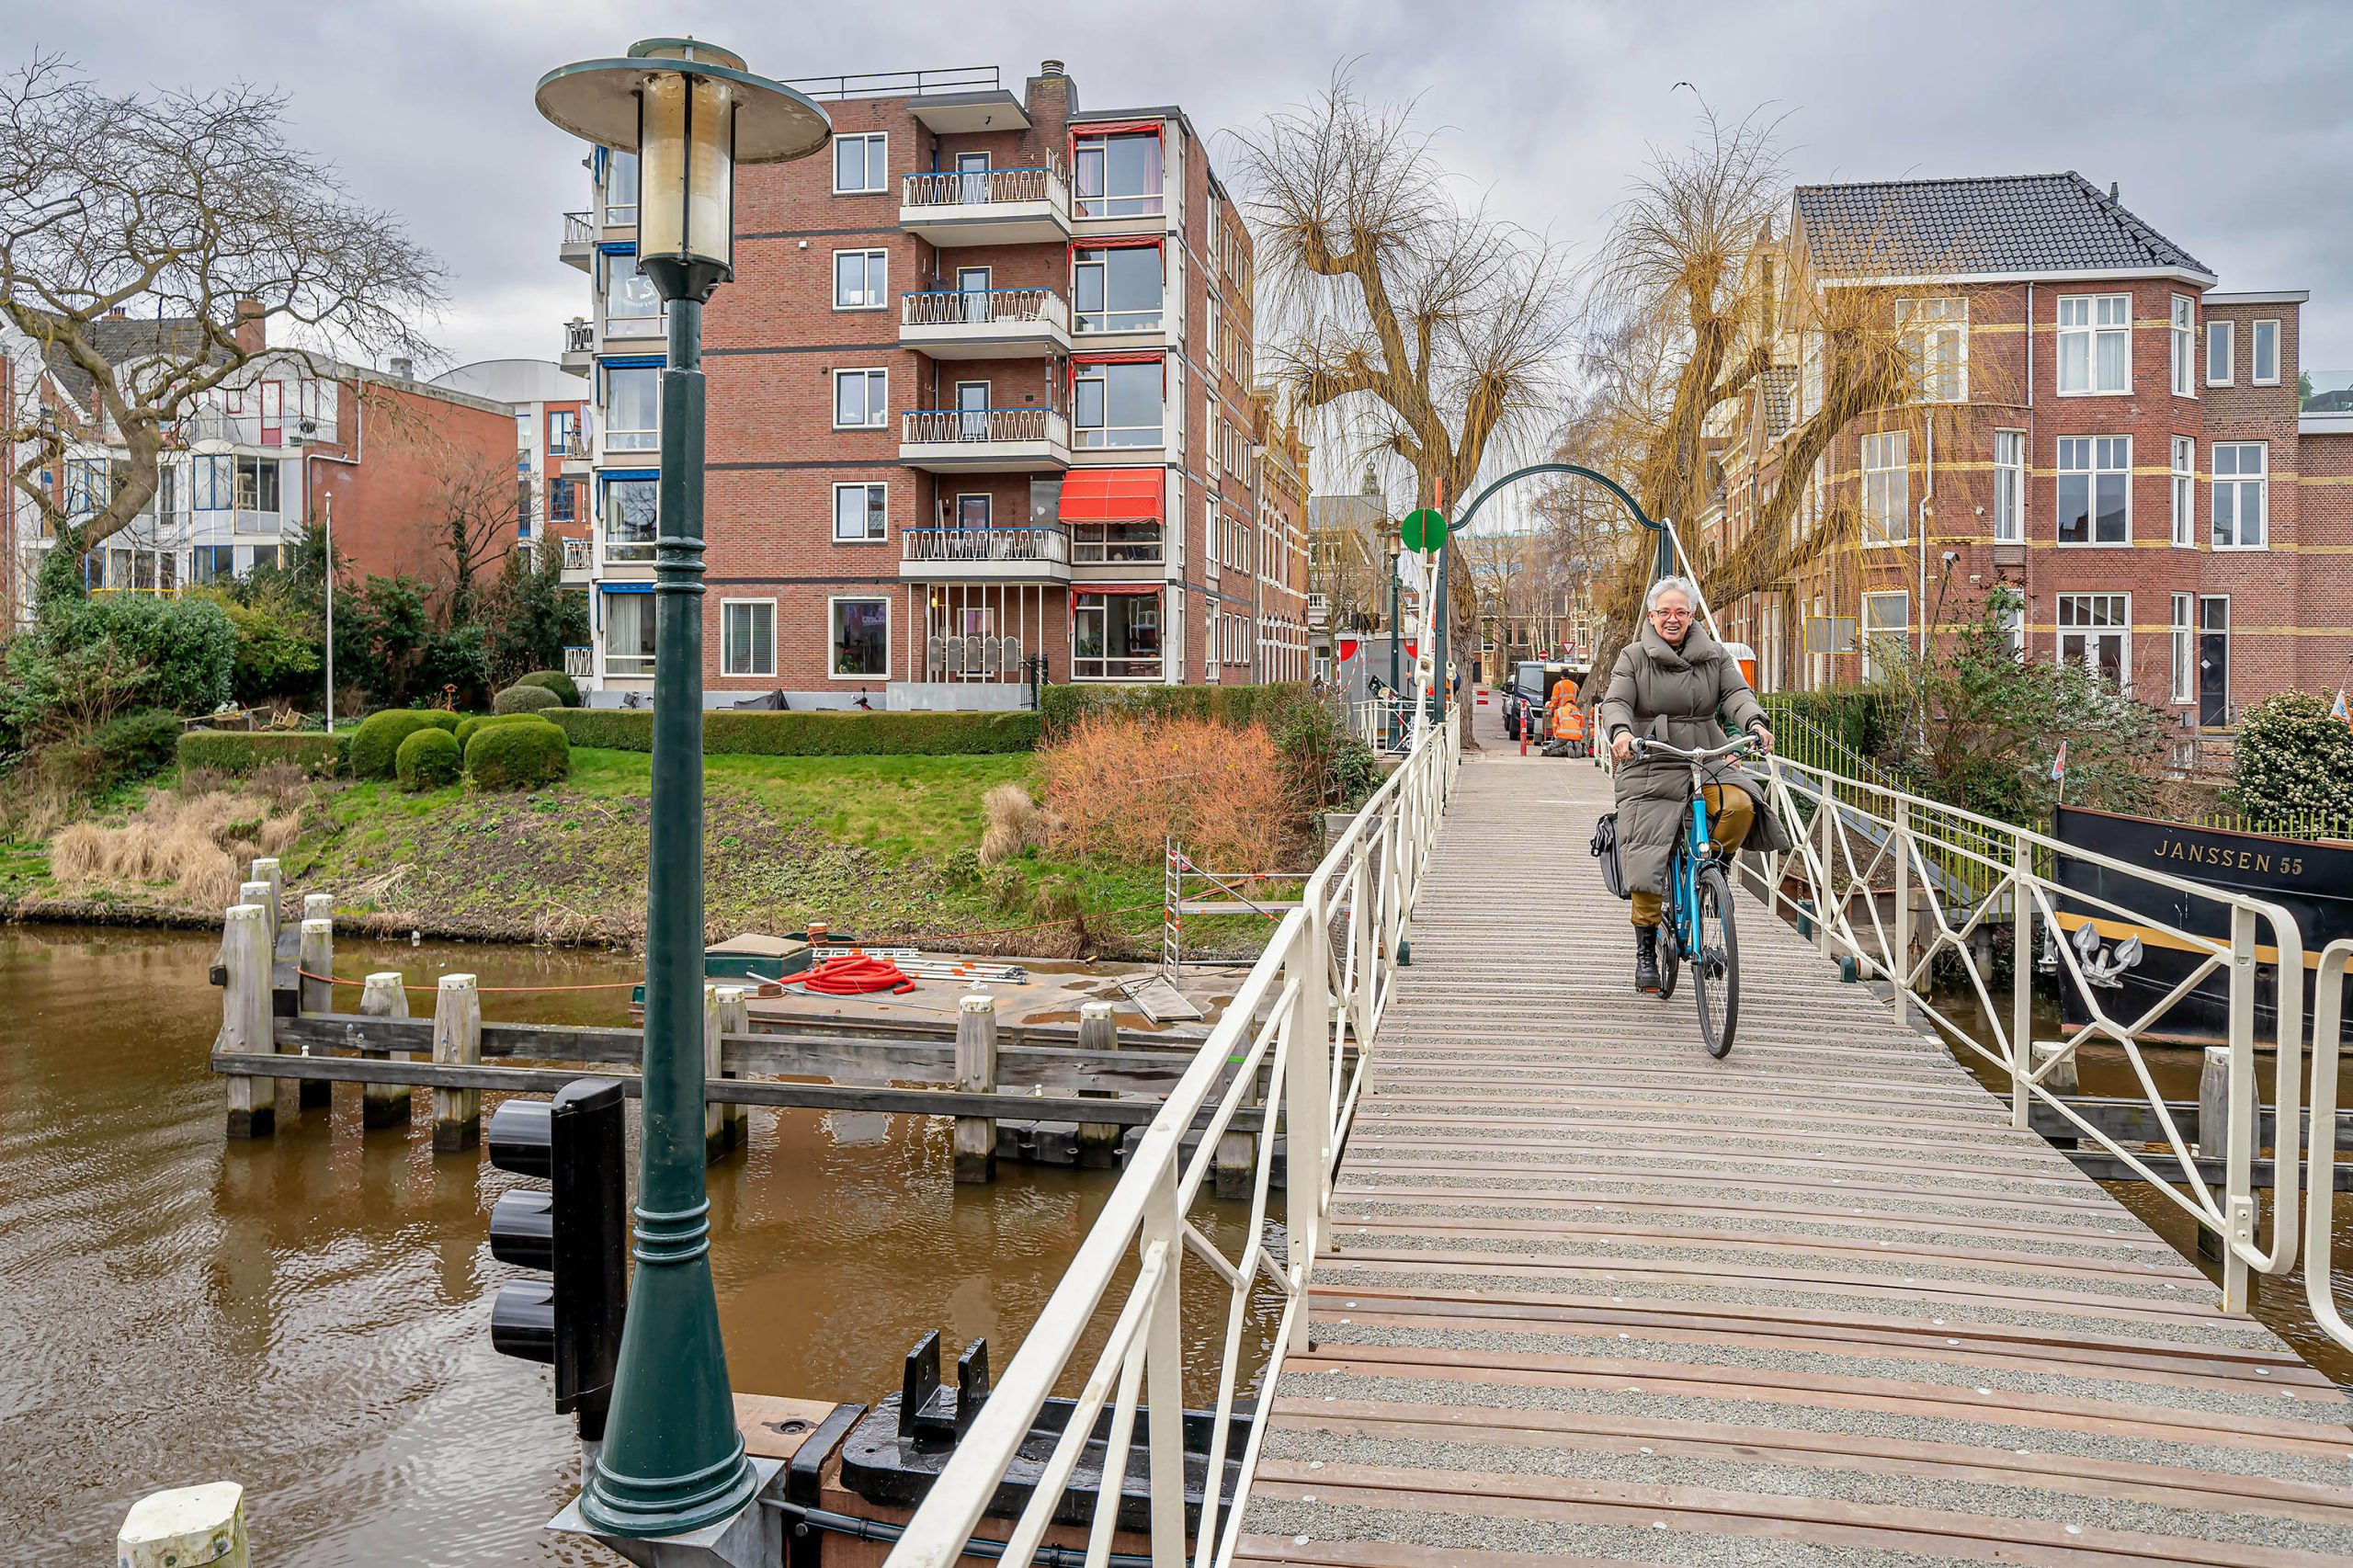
{"type": "Point", "coordinates": [1599, 1299]}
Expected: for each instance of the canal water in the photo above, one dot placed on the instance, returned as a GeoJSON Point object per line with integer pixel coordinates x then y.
{"type": "Point", "coordinates": [308, 1315]}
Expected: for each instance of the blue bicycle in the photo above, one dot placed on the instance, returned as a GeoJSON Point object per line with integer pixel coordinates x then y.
{"type": "Point", "coordinates": [1699, 905]}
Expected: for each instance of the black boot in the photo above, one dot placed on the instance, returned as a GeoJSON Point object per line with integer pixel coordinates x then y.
{"type": "Point", "coordinates": [1646, 959]}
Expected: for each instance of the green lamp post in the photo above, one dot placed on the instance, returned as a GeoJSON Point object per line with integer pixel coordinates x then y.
{"type": "Point", "coordinates": [671, 1460]}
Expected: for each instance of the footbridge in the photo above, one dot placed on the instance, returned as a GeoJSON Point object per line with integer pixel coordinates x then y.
{"type": "Point", "coordinates": [1526, 1277]}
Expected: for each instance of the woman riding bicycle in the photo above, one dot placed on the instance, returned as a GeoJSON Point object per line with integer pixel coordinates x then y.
{"type": "Point", "coordinates": [1669, 685]}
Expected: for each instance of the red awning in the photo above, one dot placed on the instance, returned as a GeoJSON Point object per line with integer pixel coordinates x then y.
{"type": "Point", "coordinates": [1118, 241]}
{"type": "Point", "coordinates": [1080, 590]}
{"type": "Point", "coordinates": [1112, 496]}
{"type": "Point", "coordinates": [1115, 128]}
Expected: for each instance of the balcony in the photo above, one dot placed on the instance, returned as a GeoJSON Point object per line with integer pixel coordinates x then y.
{"type": "Point", "coordinates": [1319, 612]}
{"type": "Point", "coordinates": [580, 663]}
{"type": "Point", "coordinates": [995, 555]}
{"type": "Point", "coordinates": [579, 562]}
{"type": "Point", "coordinates": [994, 324]}
{"type": "Point", "coordinates": [983, 441]}
{"type": "Point", "coordinates": [579, 345]}
{"type": "Point", "coordinates": [987, 207]}
{"type": "Point", "coordinates": [579, 246]}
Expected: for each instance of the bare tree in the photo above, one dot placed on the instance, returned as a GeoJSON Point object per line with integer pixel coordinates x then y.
{"type": "Point", "coordinates": [1421, 324]}
{"type": "Point", "coordinates": [190, 211]}
{"type": "Point", "coordinates": [479, 503]}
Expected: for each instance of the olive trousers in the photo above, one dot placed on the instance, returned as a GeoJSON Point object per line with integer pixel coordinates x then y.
{"type": "Point", "coordinates": [1730, 813]}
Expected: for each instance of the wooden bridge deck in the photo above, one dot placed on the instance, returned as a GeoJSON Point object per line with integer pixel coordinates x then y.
{"type": "Point", "coordinates": [1600, 1299]}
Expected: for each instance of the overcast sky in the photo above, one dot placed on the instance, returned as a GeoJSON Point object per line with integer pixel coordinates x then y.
{"type": "Point", "coordinates": [2230, 129]}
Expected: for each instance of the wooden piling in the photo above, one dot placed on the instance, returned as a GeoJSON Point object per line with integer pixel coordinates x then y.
{"type": "Point", "coordinates": [1098, 1141]}
{"type": "Point", "coordinates": [188, 1524]}
{"type": "Point", "coordinates": [456, 1042]}
{"type": "Point", "coordinates": [246, 1017]}
{"type": "Point", "coordinates": [976, 1075]}
{"type": "Point", "coordinates": [719, 1122]}
{"type": "Point", "coordinates": [2213, 1128]}
{"type": "Point", "coordinates": [734, 1018]}
{"type": "Point", "coordinates": [2061, 1080]}
{"type": "Point", "coordinates": [267, 872]}
{"type": "Point", "coordinates": [315, 956]}
{"type": "Point", "coordinates": [386, 1105]}
{"type": "Point", "coordinates": [287, 1094]}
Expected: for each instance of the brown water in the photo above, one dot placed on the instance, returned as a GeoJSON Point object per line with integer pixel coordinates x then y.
{"type": "Point", "coordinates": [308, 1315]}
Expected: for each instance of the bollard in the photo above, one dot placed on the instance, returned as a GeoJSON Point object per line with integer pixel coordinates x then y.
{"type": "Point", "coordinates": [184, 1528]}
{"type": "Point", "coordinates": [1098, 1141]}
{"type": "Point", "coordinates": [735, 1017]}
{"type": "Point", "coordinates": [2061, 1080]}
{"type": "Point", "coordinates": [976, 1075]}
{"type": "Point", "coordinates": [265, 871]}
{"type": "Point", "coordinates": [246, 1017]}
{"type": "Point", "coordinates": [456, 1042]}
{"type": "Point", "coordinates": [714, 1115]}
{"type": "Point", "coordinates": [386, 1105]}
{"type": "Point", "coordinates": [2214, 1129]}
{"type": "Point", "coordinates": [315, 955]}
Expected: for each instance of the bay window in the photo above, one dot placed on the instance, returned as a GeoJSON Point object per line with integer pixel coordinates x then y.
{"type": "Point", "coordinates": [633, 308]}
{"type": "Point", "coordinates": [1116, 288]}
{"type": "Point", "coordinates": [621, 188]}
{"type": "Point", "coordinates": [1118, 176]}
{"type": "Point", "coordinates": [630, 505]}
{"type": "Point", "coordinates": [2095, 343]}
{"type": "Point", "coordinates": [1118, 404]}
{"type": "Point", "coordinates": [2096, 490]}
{"type": "Point", "coordinates": [632, 404]}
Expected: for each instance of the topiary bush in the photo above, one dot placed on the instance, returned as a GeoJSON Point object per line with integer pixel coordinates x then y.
{"type": "Point", "coordinates": [517, 757]}
{"type": "Point", "coordinates": [428, 759]}
{"type": "Point", "coordinates": [238, 752]}
{"type": "Point", "coordinates": [467, 726]}
{"type": "Point", "coordinates": [136, 744]}
{"type": "Point", "coordinates": [525, 700]}
{"type": "Point", "coordinates": [566, 689]}
{"type": "Point", "coordinates": [375, 747]}
{"type": "Point", "coordinates": [2293, 759]}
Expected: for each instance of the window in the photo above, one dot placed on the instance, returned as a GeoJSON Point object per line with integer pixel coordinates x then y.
{"type": "Point", "coordinates": [1886, 622]}
{"type": "Point", "coordinates": [2097, 630]}
{"type": "Point", "coordinates": [1118, 176]}
{"type": "Point", "coordinates": [632, 309]}
{"type": "Point", "coordinates": [86, 483]}
{"type": "Point", "coordinates": [212, 562]}
{"type": "Point", "coordinates": [1117, 405]}
{"type": "Point", "coordinates": [859, 279]}
{"type": "Point", "coordinates": [621, 187]}
{"type": "Point", "coordinates": [2095, 343]}
{"type": "Point", "coordinates": [861, 638]}
{"type": "Point", "coordinates": [628, 634]}
{"type": "Point", "coordinates": [1936, 334]}
{"type": "Point", "coordinates": [633, 401]}
{"type": "Point", "coordinates": [2218, 353]}
{"type": "Point", "coordinates": [862, 513]}
{"type": "Point", "coordinates": [861, 400]}
{"type": "Point", "coordinates": [2183, 489]}
{"type": "Point", "coordinates": [2214, 691]}
{"type": "Point", "coordinates": [747, 637]}
{"type": "Point", "coordinates": [2096, 490]}
{"type": "Point", "coordinates": [2009, 487]}
{"type": "Point", "coordinates": [560, 501]}
{"type": "Point", "coordinates": [630, 512]}
{"type": "Point", "coordinates": [2263, 352]}
{"type": "Point", "coordinates": [2011, 607]}
{"type": "Point", "coordinates": [257, 484]}
{"type": "Point", "coordinates": [860, 164]}
{"type": "Point", "coordinates": [2185, 648]}
{"type": "Point", "coordinates": [1887, 488]}
{"type": "Point", "coordinates": [213, 480]}
{"type": "Point", "coordinates": [564, 433]}
{"type": "Point", "coordinates": [1116, 288]}
{"type": "Point", "coordinates": [2184, 346]}
{"type": "Point", "coordinates": [2239, 487]}
{"type": "Point", "coordinates": [1115, 636]}
{"type": "Point", "coordinates": [264, 558]}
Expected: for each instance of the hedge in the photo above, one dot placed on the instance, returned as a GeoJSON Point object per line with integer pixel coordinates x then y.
{"type": "Point", "coordinates": [768, 734]}
{"type": "Point", "coordinates": [517, 757]}
{"type": "Point", "coordinates": [467, 726]}
{"type": "Point", "coordinates": [1268, 704]}
{"type": "Point", "coordinates": [428, 759]}
{"type": "Point", "coordinates": [379, 739]}
{"type": "Point", "coordinates": [567, 690]}
{"type": "Point", "coordinates": [135, 744]}
{"type": "Point", "coordinates": [521, 699]}
{"type": "Point", "coordinates": [242, 752]}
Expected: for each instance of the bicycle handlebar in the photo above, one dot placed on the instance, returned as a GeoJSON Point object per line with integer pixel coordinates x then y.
{"type": "Point", "coordinates": [1705, 754]}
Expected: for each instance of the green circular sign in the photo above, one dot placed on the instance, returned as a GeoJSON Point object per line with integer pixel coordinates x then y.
{"type": "Point", "coordinates": [1424, 530]}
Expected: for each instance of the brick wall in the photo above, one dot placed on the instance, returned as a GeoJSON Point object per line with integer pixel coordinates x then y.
{"type": "Point", "coordinates": [390, 511]}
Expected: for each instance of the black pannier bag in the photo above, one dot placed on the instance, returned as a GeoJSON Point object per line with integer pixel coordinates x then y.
{"type": "Point", "coordinates": [1605, 850]}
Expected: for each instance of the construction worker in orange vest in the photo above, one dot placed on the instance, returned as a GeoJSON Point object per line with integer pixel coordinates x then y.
{"type": "Point", "coordinates": [1564, 722]}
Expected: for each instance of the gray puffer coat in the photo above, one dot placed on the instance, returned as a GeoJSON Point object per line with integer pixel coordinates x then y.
{"type": "Point", "coordinates": [1660, 692]}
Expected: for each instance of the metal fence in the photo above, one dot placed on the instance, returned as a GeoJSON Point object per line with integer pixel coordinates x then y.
{"type": "Point", "coordinates": [1311, 1002]}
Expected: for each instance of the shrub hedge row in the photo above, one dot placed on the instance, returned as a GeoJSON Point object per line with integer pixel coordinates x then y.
{"type": "Point", "coordinates": [232, 751]}
{"type": "Point", "coordinates": [377, 742]}
{"type": "Point", "coordinates": [810, 735]}
{"type": "Point", "coordinates": [517, 757]}
{"type": "Point", "coordinates": [1268, 704]}
{"type": "Point", "coordinates": [466, 727]}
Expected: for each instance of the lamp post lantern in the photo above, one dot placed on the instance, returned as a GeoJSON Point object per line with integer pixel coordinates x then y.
{"type": "Point", "coordinates": [671, 1460]}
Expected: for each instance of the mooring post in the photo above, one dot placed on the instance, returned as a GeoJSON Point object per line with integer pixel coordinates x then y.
{"type": "Point", "coordinates": [246, 1017]}
{"type": "Point", "coordinates": [287, 1094]}
{"type": "Point", "coordinates": [734, 1018]}
{"type": "Point", "coordinates": [714, 1115]}
{"type": "Point", "coordinates": [1098, 1141]}
{"type": "Point", "coordinates": [2062, 1079]}
{"type": "Point", "coordinates": [188, 1524]}
{"type": "Point", "coordinates": [976, 1075]}
{"type": "Point", "coordinates": [456, 1042]}
{"type": "Point", "coordinates": [266, 871]}
{"type": "Point", "coordinates": [386, 1105]}
{"type": "Point", "coordinates": [2214, 1129]}
{"type": "Point", "coordinates": [315, 956]}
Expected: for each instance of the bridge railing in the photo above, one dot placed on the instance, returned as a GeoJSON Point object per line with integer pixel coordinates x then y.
{"type": "Point", "coordinates": [2320, 1195]}
{"type": "Point", "coordinates": [1311, 1002]}
{"type": "Point", "coordinates": [1912, 889]}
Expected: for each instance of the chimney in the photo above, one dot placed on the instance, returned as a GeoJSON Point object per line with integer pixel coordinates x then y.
{"type": "Point", "coordinates": [252, 326]}
{"type": "Point", "coordinates": [117, 314]}
{"type": "Point", "coordinates": [403, 369]}
{"type": "Point", "coordinates": [1051, 96]}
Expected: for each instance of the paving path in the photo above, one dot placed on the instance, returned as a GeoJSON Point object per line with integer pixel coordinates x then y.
{"type": "Point", "coordinates": [1600, 1299]}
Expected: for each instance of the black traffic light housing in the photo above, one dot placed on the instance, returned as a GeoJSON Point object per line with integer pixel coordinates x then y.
{"type": "Point", "coordinates": [576, 1230]}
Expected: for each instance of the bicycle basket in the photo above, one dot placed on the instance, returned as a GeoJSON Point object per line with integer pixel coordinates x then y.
{"type": "Point", "coordinates": [1605, 850]}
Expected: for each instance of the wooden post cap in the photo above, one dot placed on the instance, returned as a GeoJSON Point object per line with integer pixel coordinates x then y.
{"type": "Point", "coordinates": [188, 1526]}
{"type": "Point", "coordinates": [983, 1003]}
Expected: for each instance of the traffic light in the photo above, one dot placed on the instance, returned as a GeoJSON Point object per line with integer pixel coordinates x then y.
{"type": "Point", "coordinates": [575, 1231]}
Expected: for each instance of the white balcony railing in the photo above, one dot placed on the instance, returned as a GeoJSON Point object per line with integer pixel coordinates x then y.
{"type": "Point", "coordinates": [579, 228]}
{"type": "Point", "coordinates": [580, 663]}
{"type": "Point", "coordinates": [983, 307]}
{"type": "Point", "coordinates": [955, 427]}
{"type": "Point", "coordinates": [977, 546]}
{"type": "Point", "coordinates": [579, 554]}
{"type": "Point", "coordinates": [986, 188]}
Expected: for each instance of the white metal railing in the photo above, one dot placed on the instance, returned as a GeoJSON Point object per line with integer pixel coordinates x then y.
{"type": "Point", "coordinates": [1905, 885]}
{"type": "Point", "coordinates": [977, 546]}
{"type": "Point", "coordinates": [579, 554]}
{"type": "Point", "coordinates": [1384, 723]}
{"type": "Point", "coordinates": [986, 188]}
{"type": "Point", "coordinates": [1311, 1002]}
{"type": "Point", "coordinates": [2320, 1197]}
{"type": "Point", "coordinates": [953, 426]}
{"type": "Point", "coordinates": [983, 307]}
{"type": "Point", "coordinates": [579, 228]}
{"type": "Point", "coordinates": [580, 663]}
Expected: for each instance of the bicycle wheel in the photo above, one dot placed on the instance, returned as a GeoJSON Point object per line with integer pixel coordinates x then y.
{"type": "Point", "coordinates": [1670, 957]}
{"type": "Point", "coordinates": [1715, 967]}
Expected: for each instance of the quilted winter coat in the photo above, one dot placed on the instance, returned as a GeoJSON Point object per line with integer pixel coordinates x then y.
{"type": "Point", "coordinates": [1661, 692]}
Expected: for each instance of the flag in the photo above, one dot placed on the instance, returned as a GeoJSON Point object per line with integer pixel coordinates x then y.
{"type": "Point", "coordinates": [2340, 713]}
{"type": "Point", "coordinates": [2059, 763]}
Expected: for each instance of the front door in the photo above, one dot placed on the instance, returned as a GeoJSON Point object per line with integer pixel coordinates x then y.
{"type": "Point", "coordinates": [2213, 662]}
{"type": "Point", "coordinates": [972, 410]}
{"type": "Point", "coordinates": [973, 284]}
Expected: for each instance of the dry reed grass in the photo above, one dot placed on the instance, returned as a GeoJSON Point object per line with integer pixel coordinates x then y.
{"type": "Point", "coordinates": [1014, 823]}
{"type": "Point", "coordinates": [193, 840]}
{"type": "Point", "coordinates": [1121, 786]}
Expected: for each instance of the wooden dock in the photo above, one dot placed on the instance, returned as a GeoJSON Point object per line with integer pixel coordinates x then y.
{"type": "Point", "coordinates": [1599, 1299]}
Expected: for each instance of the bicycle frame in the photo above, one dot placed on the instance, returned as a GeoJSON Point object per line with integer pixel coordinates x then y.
{"type": "Point", "coordinates": [1684, 873]}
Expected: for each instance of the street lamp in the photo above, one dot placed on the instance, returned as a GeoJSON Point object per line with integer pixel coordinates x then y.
{"type": "Point", "coordinates": [671, 1460]}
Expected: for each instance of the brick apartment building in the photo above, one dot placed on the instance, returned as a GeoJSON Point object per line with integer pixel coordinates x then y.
{"type": "Point", "coordinates": [979, 393]}
{"type": "Point", "coordinates": [551, 406]}
{"type": "Point", "coordinates": [2107, 434]}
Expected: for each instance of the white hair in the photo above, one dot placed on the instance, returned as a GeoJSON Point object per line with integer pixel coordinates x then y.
{"type": "Point", "coordinates": [1671, 585]}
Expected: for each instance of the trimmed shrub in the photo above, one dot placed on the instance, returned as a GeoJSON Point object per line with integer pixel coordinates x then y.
{"type": "Point", "coordinates": [2293, 759]}
{"type": "Point", "coordinates": [467, 726]}
{"type": "Point", "coordinates": [229, 751]}
{"type": "Point", "coordinates": [764, 733]}
{"type": "Point", "coordinates": [517, 757]}
{"type": "Point", "coordinates": [136, 744]}
{"type": "Point", "coordinates": [428, 759]}
{"type": "Point", "coordinates": [375, 748]}
{"type": "Point", "coordinates": [520, 699]}
{"type": "Point", "coordinates": [1270, 704]}
{"type": "Point", "coordinates": [566, 689]}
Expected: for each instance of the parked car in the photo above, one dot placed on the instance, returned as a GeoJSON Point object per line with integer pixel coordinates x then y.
{"type": "Point", "coordinates": [1530, 688]}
